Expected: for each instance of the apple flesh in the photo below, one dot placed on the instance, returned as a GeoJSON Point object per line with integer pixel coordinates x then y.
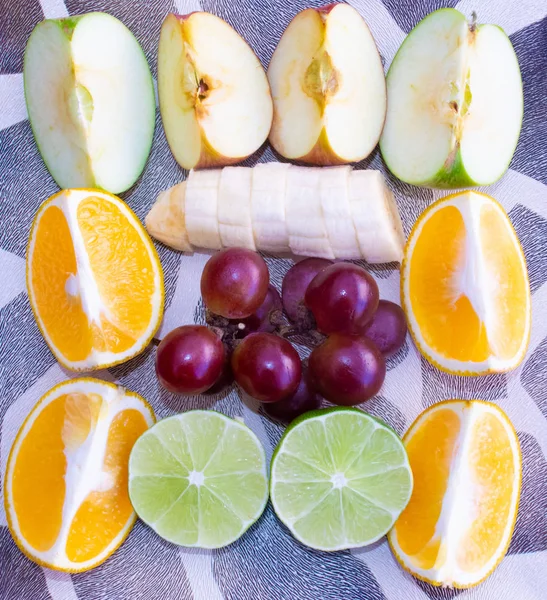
{"type": "Point", "coordinates": [214, 96]}
{"type": "Point", "coordinates": [328, 88]}
{"type": "Point", "coordinates": [90, 100]}
{"type": "Point", "coordinates": [455, 104]}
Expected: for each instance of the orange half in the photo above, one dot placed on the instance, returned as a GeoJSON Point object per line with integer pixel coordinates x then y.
{"type": "Point", "coordinates": [466, 461]}
{"type": "Point", "coordinates": [464, 286]}
{"type": "Point", "coordinates": [94, 279]}
{"type": "Point", "coordinates": [66, 487]}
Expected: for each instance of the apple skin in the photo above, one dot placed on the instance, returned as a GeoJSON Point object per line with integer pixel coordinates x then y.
{"type": "Point", "coordinates": [210, 159]}
{"type": "Point", "coordinates": [327, 8]}
{"type": "Point", "coordinates": [322, 153]}
{"type": "Point", "coordinates": [452, 175]}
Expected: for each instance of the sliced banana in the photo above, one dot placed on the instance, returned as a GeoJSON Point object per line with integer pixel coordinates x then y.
{"type": "Point", "coordinates": [202, 208]}
{"type": "Point", "coordinates": [268, 207]}
{"type": "Point", "coordinates": [326, 212]}
{"type": "Point", "coordinates": [166, 220]}
{"type": "Point", "coordinates": [334, 194]}
{"type": "Point", "coordinates": [305, 223]}
{"type": "Point", "coordinates": [234, 208]}
{"type": "Point", "coordinates": [376, 217]}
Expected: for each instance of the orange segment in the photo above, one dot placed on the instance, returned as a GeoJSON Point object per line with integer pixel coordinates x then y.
{"type": "Point", "coordinates": [124, 274]}
{"type": "Point", "coordinates": [464, 286]}
{"type": "Point", "coordinates": [66, 497]}
{"type": "Point", "coordinates": [104, 514]}
{"type": "Point", "coordinates": [94, 279]}
{"type": "Point", "coordinates": [504, 261]}
{"type": "Point", "coordinates": [492, 465]}
{"type": "Point", "coordinates": [41, 465]}
{"type": "Point", "coordinates": [449, 324]}
{"type": "Point", "coordinates": [52, 263]}
{"type": "Point", "coordinates": [437, 437]}
{"type": "Point", "coordinates": [466, 462]}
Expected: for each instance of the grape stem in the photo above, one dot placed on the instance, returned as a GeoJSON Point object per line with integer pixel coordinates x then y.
{"type": "Point", "coordinates": [232, 332]}
{"type": "Point", "coordinates": [312, 337]}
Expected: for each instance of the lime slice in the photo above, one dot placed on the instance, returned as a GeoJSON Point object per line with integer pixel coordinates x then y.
{"type": "Point", "coordinates": [339, 479]}
{"type": "Point", "coordinates": [198, 479]}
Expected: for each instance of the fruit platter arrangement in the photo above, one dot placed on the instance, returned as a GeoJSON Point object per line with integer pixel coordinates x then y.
{"type": "Point", "coordinates": [280, 339]}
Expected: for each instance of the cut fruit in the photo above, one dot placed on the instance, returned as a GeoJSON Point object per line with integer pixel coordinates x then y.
{"type": "Point", "coordinates": [65, 491]}
{"type": "Point", "coordinates": [305, 221]}
{"type": "Point", "coordinates": [376, 217]}
{"type": "Point", "coordinates": [268, 207]}
{"type": "Point", "coordinates": [199, 479]}
{"type": "Point", "coordinates": [466, 460]}
{"type": "Point", "coordinates": [94, 279]}
{"type": "Point", "coordinates": [336, 209]}
{"type": "Point", "coordinates": [166, 220]}
{"type": "Point", "coordinates": [234, 208]}
{"type": "Point", "coordinates": [339, 479]}
{"type": "Point", "coordinates": [90, 100]}
{"type": "Point", "coordinates": [464, 286]}
{"type": "Point", "coordinates": [214, 96]}
{"type": "Point", "coordinates": [201, 204]}
{"type": "Point", "coordinates": [311, 211]}
{"type": "Point", "coordinates": [455, 104]}
{"type": "Point", "coordinates": [328, 88]}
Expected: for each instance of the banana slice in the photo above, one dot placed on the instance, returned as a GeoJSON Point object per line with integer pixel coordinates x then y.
{"type": "Point", "coordinates": [202, 208]}
{"type": "Point", "coordinates": [334, 194]}
{"type": "Point", "coordinates": [280, 208]}
{"type": "Point", "coordinates": [166, 220]}
{"type": "Point", "coordinates": [305, 223]}
{"type": "Point", "coordinates": [234, 208]}
{"type": "Point", "coordinates": [376, 217]}
{"type": "Point", "coordinates": [268, 207]}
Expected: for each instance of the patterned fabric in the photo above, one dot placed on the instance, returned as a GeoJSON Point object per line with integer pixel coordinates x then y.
{"type": "Point", "coordinates": [267, 563]}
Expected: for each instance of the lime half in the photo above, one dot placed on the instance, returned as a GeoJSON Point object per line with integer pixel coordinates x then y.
{"type": "Point", "coordinates": [339, 479]}
{"type": "Point", "coordinates": [198, 479]}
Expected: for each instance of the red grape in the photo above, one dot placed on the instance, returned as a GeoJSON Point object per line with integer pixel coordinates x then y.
{"type": "Point", "coordinates": [387, 329]}
{"type": "Point", "coordinates": [342, 298]}
{"type": "Point", "coordinates": [267, 367]}
{"type": "Point", "coordinates": [304, 399]}
{"type": "Point", "coordinates": [260, 320]}
{"type": "Point", "coordinates": [347, 369]}
{"type": "Point", "coordinates": [190, 359]}
{"type": "Point", "coordinates": [225, 379]}
{"type": "Point", "coordinates": [234, 283]}
{"type": "Point", "coordinates": [295, 284]}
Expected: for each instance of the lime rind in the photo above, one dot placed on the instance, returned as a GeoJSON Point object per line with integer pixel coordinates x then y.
{"type": "Point", "coordinates": [340, 478]}
{"type": "Point", "coordinates": [198, 479]}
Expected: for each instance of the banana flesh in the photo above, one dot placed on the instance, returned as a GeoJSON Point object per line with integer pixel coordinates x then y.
{"type": "Point", "coordinates": [305, 223]}
{"type": "Point", "coordinates": [332, 212]}
{"type": "Point", "coordinates": [334, 194]}
{"type": "Point", "coordinates": [234, 208]}
{"type": "Point", "coordinates": [166, 220]}
{"type": "Point", "coordinates": [376, 218]}
{"type": "Point", "coordinates": [268, 207]}
{"type": "Point", "coordinates": [202, 208]}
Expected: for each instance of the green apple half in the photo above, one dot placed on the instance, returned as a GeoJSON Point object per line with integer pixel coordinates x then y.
{"type": "Point", "coordinates": [455, 104]}
{"type": "Point", "coordinates": [90, 100]}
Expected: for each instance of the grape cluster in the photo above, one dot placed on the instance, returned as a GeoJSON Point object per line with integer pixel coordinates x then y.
{"type": "Point", "coordinates": [246, 337]}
